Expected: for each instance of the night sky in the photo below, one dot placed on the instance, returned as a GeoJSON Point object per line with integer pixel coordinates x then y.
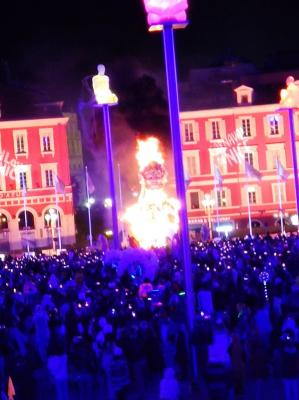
{"type": "Point", "coordinates": [54, 45]}
{"type": "Point", "coordinates": [47, 49]}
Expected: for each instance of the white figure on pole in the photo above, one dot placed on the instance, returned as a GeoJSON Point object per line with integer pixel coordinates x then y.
{"type": "Point", "coordinates": [101, 87]}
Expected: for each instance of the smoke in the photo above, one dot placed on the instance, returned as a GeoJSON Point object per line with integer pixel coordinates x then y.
{"type": "Point", "coordinates": [142, 111]}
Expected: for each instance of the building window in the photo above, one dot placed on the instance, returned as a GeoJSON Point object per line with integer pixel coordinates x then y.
{"type": "Point", "coordinates": [26, 222]}
{"type": "Point", "coordinates": [244, 99]}
{"type": "Point", "coordinates": [194, 200]}
{"type": "Point", "coordinates": [215, 130]}
{"type": "Point", "coordinates": [48, 172]}
{"type": "Point", "coordinates": [46, 136]}
{"type": "Point", "coordinates": [20, 144]}
{"type": "Point", "coordinates": [46, 141]}
{"type": "Point", "coordinates": [218, 159]}
{"type": "Point", "coordinates": [191, 163]}
{"type": "Point", "coordinates": [3, 222]}
{"type": "Point", "coordinates": [252, 196]}
{"type": "Point", "coordinates": [191, 166]}
{"type": "Point", "coordinates": [248, 158]}
{"type": "Point", "coordinates": [275, 152]}
{"type": "Point", "coordinates": [49, 177]}
{"type": "Point", "coordinates": [276, 188]}
{"type": "Point", "coordinates": [276, 157]}
{"type": "Point", "coordinates": [274, 125]}
{"type": "Point", "coordinates": [221, 198]}
{"type": "Point", "coordinates": [246, 127]}
{"type": "Point", "coordinates": [189, 132]}
{"type": "Point", "coordinates": [23, 180]}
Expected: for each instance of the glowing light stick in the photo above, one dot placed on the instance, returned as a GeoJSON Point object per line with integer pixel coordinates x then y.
{"type": "Point", "coordinates": [264, 277]}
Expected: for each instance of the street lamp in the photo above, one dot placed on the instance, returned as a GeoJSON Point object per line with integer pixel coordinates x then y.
{"type": "Point", "coordinates": [51, 218]}
{"type": "Point", "coordinates": [226, 229]}
{"type": "Point", "coordinates": [294, 219]}
{"type": "Point", "coordinates": [89, 202]}
{"type": "Point", "coordinates": [208, 202]}
{"type": "Point", "coordinates": [166, 15]}
{"type": "Point", "coordinates": [107, 203]}
{"type": "Point", "coordinates": [105, 98]}
{"type": "Point", "coordinates": [289, 99]}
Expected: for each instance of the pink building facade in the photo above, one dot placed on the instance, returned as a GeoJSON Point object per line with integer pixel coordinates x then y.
{"type": "Point", "coordinates": [33, 153]}
{"type": "Point", "coordinates": [222, 140]}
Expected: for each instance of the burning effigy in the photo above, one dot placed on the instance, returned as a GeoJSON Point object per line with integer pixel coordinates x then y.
{"type": "Point", "coordinates": [154, 218]}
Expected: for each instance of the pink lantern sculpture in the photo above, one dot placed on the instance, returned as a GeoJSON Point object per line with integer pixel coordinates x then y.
{"type": "Point", "coordinates": [160, 12]}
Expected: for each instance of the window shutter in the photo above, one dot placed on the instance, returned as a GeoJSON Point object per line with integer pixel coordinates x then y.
{"type": "Point", "coordinates": [267, 125]}
{"type": "Point", "coordinates": [252, 126]}
{"type": "Point", "coordinates": [269, 160]}
{"type": "Point", "coordinates": [275, 193]}
{"type": "Point", "coordinates": [229, 197]}
{"type": "Point", "coordinates": [188, 200]}
{"type": "Point", "coordinates": [280, 125]}
{"type": "Point", "coordinates": [222, 129]}
{"type": "Point", "coordinates": [255, 157]}
{"type": "Point", "coordinates": [182, 127]}
{"type": "Point", "coordinates": [283, 192]}
{"type": "Point", "coordinates": [208, 128]}
{"type": "Point", "coordinates": [196, 131]}
{"type": "Point", "coordinates": [244, 194]}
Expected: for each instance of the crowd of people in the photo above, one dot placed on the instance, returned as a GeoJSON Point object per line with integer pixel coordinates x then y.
{"type": "Point", "coordinates": [79, 325]}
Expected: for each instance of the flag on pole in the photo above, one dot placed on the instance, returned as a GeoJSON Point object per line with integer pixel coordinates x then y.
{"type": "Point", "coordinates": [281, 172]}
{"type": "Point", "coordinates": [251, 172]}
{"type": "Point", "coordinates": [217, 176]}
{"type": "Point", "coordinates": [10, 389]}
{"type": "Point", "coordinates": [89, 183]}
{"type": "Point", "coordinates": [59, 185]}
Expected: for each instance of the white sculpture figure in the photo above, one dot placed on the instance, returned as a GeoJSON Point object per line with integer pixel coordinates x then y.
{"type": "Point", "coordinates": [161, 11]}
{"type": "Point", "coordinates": [154, 218]}
{"type": "Point", "coordinates": [100, 84]}
{"type": "Point", "coordinates": [289, 97]}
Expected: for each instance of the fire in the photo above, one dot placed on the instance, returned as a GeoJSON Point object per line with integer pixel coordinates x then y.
{"type": "Point", "coordinates": [154, 218]}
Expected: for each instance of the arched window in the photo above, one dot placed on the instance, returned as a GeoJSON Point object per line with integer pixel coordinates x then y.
{"type": "Point", "coordinates": [3, 222]}
{"type": "Point", "coordinates": [256, 224]}
{"type": "Point", "coordinates": [52, 218]}
{"type": "Point", "coordinates": [285, 220]}
{"type": "Point", "coordinates": [24, 220]}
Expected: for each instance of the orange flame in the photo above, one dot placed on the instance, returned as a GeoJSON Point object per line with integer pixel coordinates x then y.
{"type": "Point", "coordinates": [154, 218]}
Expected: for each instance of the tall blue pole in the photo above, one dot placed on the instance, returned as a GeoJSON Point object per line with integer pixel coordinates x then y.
{"type": "Point", "coordinates": [108, 141]}
{"type": "Point", "coordinates": [88, 206]}
{"type": "Point", "coordinates": [173, 104]}
{"type": "Point", "coordinates": [294, 155]}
